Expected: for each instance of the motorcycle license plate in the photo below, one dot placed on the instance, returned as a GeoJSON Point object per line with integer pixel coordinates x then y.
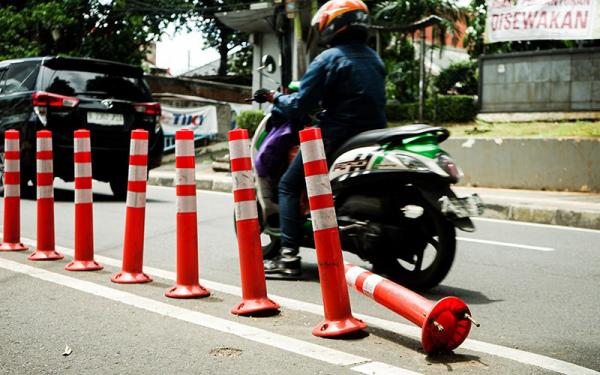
{"type": "Point", "coordinates": [462, 207]}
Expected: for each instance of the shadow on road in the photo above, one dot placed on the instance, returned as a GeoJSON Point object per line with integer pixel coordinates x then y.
{"type": "Point", "coordinates": [450, 358]}
{"type": "Point", "coordinates": [404, 341]}
{"type": "Point", "coordinates": [471, 297]}
{"type": "Point", "coordinates": [66, 195]}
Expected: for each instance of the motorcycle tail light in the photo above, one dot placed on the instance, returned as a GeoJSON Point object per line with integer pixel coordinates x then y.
{"type": "Point", "coordinates": [449, 166]}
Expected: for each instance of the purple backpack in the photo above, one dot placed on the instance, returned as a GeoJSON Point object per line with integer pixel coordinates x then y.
{"type": "Point", "coordinates": [273, 151]}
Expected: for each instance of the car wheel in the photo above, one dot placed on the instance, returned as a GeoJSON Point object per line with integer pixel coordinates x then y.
{"type": "Point", "coordinates": [119, 188]}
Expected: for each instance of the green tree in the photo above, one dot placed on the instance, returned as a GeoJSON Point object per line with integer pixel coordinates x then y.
{"type": "Point", "coordinates": [216, 33]}
{"type": "Point", "coordinates": [399, 55]}
{"type": "Point", "coordinates": [116, 30]}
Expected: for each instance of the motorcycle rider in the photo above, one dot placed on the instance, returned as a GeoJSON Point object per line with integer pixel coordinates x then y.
{"type": "Point", "coordinates": [347, 82]}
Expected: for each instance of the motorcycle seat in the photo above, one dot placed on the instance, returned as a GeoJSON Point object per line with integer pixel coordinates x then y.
{"type": "Point", "coordinates": [388, 135]}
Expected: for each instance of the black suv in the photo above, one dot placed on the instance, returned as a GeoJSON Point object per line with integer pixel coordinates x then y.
{"type": "Point", "coordinates": [65, 94]}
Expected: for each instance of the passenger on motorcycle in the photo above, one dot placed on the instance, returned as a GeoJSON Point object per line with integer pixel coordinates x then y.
{"type": "Point", "coordinates": [347, 82]}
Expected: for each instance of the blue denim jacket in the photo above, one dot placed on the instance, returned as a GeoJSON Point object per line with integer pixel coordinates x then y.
{"type": "Point", "coordinates": [347, 81]}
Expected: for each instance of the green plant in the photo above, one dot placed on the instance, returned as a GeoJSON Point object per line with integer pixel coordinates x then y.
{"type": "Point", "coordinates": [249, 120]}
{"type": "Point", "coordinates": [443, 108]}
{"type": "Point", "coordinates": [459, 78]}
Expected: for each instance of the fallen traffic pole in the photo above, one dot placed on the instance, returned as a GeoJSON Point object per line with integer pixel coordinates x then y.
{"type": "Point", "coordinates": [11, 239]}
{"type": "Point", "coordinates": [45, 249]}
{"type": "Point", "coordinates": [254, 287]}
{"type": "Point", "coordinates": [187, 284]}
{"type": "Point", "coordinates": [83, 259]}
{"type": "Point", "coordinates": [133, 246]}
{"type": "Point", "coordinates": [336, 302]}
{"type": "Point", "coordinates": [445, 324]}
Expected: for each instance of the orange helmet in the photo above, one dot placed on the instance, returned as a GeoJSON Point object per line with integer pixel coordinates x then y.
{"type": "Point", "coordinates": [339, 16]}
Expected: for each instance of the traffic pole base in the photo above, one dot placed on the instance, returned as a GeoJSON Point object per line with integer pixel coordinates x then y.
{"type": "Point", "coordinates": [187, 291]}
{"type": "Point", "coordinates": [130, 278]}
{"type": "Point", "coordinates": [45, 255]}
{"type": "Point", "coordinates": [83, 265]}
{"type": "Point", "coordinates": [12, 246]}
{"type": "Point", "coordinates": [452, 326]}
{"type": "Point", "coordinates": [253, 306]}
{"type": "Point", "coordinates": [333, 328]}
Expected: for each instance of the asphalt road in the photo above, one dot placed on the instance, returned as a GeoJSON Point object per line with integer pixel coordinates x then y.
{"type": "Point", "coordinates": [533, 288]}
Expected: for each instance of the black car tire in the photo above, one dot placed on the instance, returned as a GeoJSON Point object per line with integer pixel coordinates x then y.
{"type": "Point", "coordinates": [119, 188]}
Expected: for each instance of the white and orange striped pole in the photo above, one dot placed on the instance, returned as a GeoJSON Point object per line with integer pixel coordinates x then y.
{"type": "Point", "coordinates": [45, 249]}
{"type": "Point", "coordinates": [336, 302]}
{"type": "Point", "coordinates": [444, 325]}
{"type": "Point", "coordinates": [11, 240]}
{"type": "Point", "coordinates": [83, 259]}
{"type": "Point", "coordinates": [133, 246]}
{"type": "Point", "coordinates": [254, 287]}
{"type": "Point", "coordinates": [187, 284]}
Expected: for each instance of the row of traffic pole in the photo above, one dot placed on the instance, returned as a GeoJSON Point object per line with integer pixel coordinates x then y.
{"type": "Point", "coordinates": [445, 325]}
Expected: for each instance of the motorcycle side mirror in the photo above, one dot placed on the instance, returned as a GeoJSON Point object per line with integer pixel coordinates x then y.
{"type": "Point", "coordinates": [268, 64]}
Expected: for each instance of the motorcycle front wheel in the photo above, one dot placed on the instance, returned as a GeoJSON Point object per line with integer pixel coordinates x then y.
{"type": "Point", "coordinates": [424, 255]}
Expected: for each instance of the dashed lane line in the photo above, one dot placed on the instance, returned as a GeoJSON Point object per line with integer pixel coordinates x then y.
{"type": "Point", "coordinates": [517, 355]}
{"type": "Point", "coordinates": [538, 225]}
{"type": "Point", "coordinates": [505, 244]}
{"type": "Point", "coordinates": [321, 353]}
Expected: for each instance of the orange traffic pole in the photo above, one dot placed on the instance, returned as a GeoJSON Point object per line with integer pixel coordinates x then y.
{"type": "Point", "coordinates": [445, 324]}
{"type": "Point", "coordinates": [187, 284]}
{"type": "Point", "coordinates": [133, 246]}
{"type": "Point", "coordinates": [254, 287]}
{"type": "Point", "coordinates": [11, 240]}
{"type": "Point", "coordinates": [83, 260]}
{"type": "Point", "coordinates": [45, 249]}
{"type": "Point", "coordinates": [336, 302]}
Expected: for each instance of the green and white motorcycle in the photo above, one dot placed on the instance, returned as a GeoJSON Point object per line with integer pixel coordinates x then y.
{"type": "Point", "coordinates": [394, 204]}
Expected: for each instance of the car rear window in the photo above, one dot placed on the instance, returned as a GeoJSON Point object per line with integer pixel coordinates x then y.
{"type": "Point", "coordinates": [20, 77]}
{"type": "Point", "coordinates": [97, 85]}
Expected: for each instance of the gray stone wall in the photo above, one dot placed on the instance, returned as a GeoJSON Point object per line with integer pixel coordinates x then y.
{"type": "Point", "coordinates": [559, 80]}
{"type": "Point", "coordinates": [535, 164]}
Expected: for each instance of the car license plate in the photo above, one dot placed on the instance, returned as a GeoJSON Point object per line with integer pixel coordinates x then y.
{"type": "Point", "coordinates": [100, 118]}
{"type": "Point", "coordinates": [462, 207]}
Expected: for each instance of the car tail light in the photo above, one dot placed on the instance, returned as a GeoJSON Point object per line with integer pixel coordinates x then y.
{"type": "Point", "coordinates": [148, 108]}
{"type": "Point", "coordinates": [46, 99]}
{"type": "Point", "coordinates": [42, 100]}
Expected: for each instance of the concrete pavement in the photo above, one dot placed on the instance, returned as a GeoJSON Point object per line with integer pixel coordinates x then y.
{"type": "Point", "coordinates": [544, 207]}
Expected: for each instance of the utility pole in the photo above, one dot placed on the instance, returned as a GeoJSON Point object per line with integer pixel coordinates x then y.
{"type": "Point", "coordinates": [422, 76]}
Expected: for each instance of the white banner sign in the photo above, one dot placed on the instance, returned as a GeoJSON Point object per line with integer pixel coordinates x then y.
{"type": "Point", "coordinates": [514, 20]}
{"type": "Point", "coordinates": [202, 120]}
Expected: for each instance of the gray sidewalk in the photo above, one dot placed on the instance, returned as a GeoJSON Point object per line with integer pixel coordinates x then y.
{"type": "Point", "coordinates": [560, 208]}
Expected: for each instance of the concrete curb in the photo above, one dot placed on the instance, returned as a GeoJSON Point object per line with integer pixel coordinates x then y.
{"type": "Point", "coordinates": [542, 215]}
{"type": "Point", "coordinates": [493, 210]}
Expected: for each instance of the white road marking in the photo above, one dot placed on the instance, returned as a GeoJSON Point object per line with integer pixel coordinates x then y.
{"type": "Point", "coordinates": [547, 226]}
{"type": "Point", "coordinates": [380, 368]}
{"type": "Point", "coordinates": [306, 349]}
{"type": "Point", "coordinates": [517, 355]}
{"type": "Point", "coordinates": [505, 244]}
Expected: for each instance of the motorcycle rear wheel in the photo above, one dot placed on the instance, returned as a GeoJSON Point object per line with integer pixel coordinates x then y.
{"type": "Point", "coordinates": [435, 249]}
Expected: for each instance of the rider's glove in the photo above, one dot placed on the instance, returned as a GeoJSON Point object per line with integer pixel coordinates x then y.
{"type": "Point", "coordinates": [263, 95]}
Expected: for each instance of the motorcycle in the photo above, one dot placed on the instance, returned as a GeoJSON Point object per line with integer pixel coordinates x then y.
{"type": "Point", "coordinates": [394, 203]}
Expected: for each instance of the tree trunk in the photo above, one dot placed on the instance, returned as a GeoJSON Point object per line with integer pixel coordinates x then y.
{"type": "Point", "coordinates": [223, 50]}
